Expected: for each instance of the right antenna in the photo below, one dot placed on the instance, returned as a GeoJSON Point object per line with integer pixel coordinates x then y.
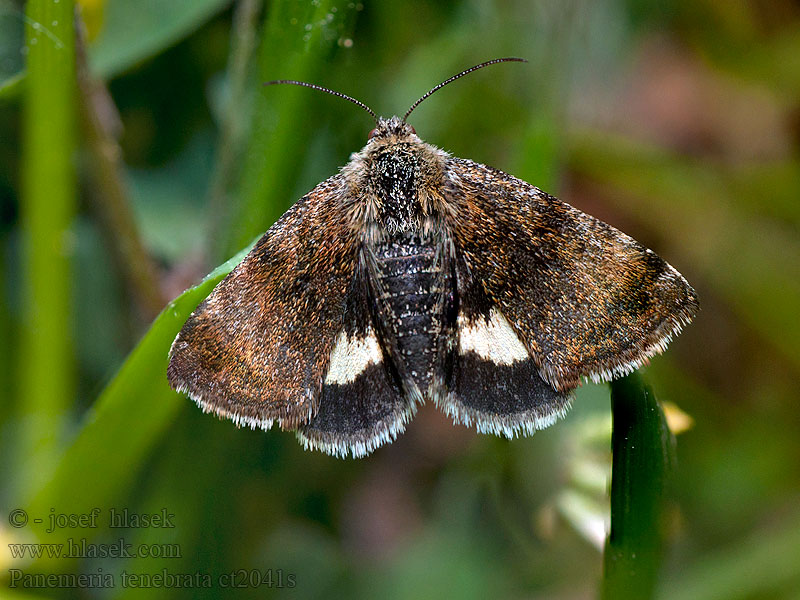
{"type": "Point", "coordinates": [454, 77]}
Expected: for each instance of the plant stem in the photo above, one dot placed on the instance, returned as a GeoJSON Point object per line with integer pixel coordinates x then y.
{"type": "Point", "coordinates": [642, 460]}
{"type": "Point", "coordinates": [47, 206]}
{"type": "Point", "coordinates": [110, 196]}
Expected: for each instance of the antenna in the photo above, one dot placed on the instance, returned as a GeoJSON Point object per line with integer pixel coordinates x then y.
{"type": "Point", "coordinates": [324, 89]}
{"type": "Point", "coordinates": [454, 77]}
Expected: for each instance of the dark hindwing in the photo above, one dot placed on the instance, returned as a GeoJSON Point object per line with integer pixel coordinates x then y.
{"type": "Point", "coordinates": [258, 348]}
{"type": "Point", "coordinates": [494, 383]}
{"type": "Point", "coordinates": [583, 298]}
{"type": "Point", "coordinates": [362, 406]}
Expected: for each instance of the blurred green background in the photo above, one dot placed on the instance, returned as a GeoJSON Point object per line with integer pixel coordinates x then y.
{"type": "Point", "coordinates": [140, 150]}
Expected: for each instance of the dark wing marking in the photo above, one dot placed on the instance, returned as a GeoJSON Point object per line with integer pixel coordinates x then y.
{"type": "Point", "coordinates": [362, 406]}
{"type": "Point", "coordinates": [506, 400]}
{"type": "Point", "coordinates": [257, 349]}
{"type": "Point", "coordinates": [584, 298]}
{"type": "Point", "coordinates": [495, 385]}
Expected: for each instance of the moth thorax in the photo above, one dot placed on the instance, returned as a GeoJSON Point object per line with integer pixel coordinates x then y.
{"type": "Point", "coordinates": [395, 182]}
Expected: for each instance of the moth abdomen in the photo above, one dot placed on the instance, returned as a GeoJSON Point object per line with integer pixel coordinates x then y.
{"type": "Point", "coordinates": [408, 282]}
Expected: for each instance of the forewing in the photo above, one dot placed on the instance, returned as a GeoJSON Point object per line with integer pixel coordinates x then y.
{"type": "Point", "coordinates": [258, 348]}
{"type": "Point", "coordinates": [584, 298]}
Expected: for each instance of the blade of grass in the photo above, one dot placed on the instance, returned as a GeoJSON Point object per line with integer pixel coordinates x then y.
{"type": "Point", "coordinates": [298, 36]}
{"type": "Point", "coordinates": [134, 30]}
{"type": "Point", "coordinates": [171, 484]}
{"type": "Point", "coordinates": [11, 87]}
{"type": "Point", "coordinates": [12, 40]}
{"type": "Point", "coordinates": [234, 115]}
{"type": "Point", "coordinates": [47, 206]}
{"type": "Point", "coordinates": [131, 32]}
{"type": "Point", "coordinates": [125, 421]}
{"type": "Point", "coordinates": [643, 449]}
{"type": "Point", "coordinates": [110, 194]}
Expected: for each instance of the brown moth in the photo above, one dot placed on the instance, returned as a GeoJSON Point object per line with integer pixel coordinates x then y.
{"type": "Point", "coordinates": [413, 276]}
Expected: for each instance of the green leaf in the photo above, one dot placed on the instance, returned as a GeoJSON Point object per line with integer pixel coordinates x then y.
{"type": "Point", "coordinates": [12, 49]}
{"type": "Point", "coordinates": [11, 87]}
{"type": "Point", "coordinates": [643, 457]}
{"type": "Point", "coordinates": [129, 416]}
{"type": "Point", "coordinates": [298, 36]}
{"type": "Point", "coordinates": [134, 30]}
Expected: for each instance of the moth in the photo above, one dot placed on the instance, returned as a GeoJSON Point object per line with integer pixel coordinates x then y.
{"type": "Point", "coordinates": [414, 276]}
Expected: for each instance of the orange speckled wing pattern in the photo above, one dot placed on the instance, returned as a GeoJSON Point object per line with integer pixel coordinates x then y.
{"type": "Point", "coordinates": [257, 349]}
{"type": "Point", "coordinates": [585, 299]}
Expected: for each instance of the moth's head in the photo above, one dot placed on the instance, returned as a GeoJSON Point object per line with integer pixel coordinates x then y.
{"type": "Point", "coordinates": [390, 130]}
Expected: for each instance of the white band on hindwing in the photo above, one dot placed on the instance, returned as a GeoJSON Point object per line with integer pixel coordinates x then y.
{"type": "Point", "coordinates": [351, 357]}
{"type": "Point", "coordinates": [492, 340]}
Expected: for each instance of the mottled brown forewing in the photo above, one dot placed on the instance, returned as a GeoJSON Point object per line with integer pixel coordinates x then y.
{"type": "Point", "coordinates": [586, 299]}
{"type": "Point", "coordinates": [257, 349]}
